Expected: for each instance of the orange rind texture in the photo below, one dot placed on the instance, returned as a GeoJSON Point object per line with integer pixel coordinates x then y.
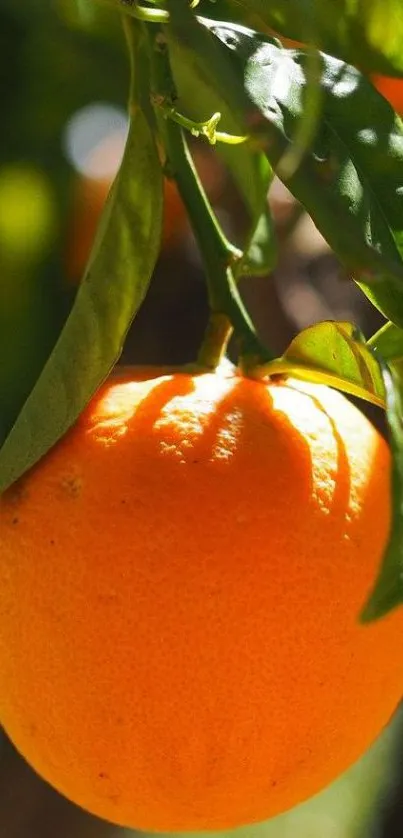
{"type": "Point", "coordinates": [180, 583]}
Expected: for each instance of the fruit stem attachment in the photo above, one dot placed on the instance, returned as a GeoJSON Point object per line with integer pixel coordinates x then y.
{"type": "Point", "coordinates": [215, 341]}
{"type": "Point", "coordinates": [219, 255]}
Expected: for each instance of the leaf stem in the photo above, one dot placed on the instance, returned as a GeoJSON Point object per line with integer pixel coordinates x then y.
{"type": "Point", "coordinates": [206, 129]}
{"type": "Point", "coordinates": [219, 255]}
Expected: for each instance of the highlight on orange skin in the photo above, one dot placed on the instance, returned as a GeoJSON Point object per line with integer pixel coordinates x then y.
{"type": "Point", "coordinates": [180, 582]}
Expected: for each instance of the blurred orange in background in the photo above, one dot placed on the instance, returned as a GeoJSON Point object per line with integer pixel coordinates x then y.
{"type": "Point", "coordinates": [391, 89]}
{"type": "Point", "coordinates": [91, 188]}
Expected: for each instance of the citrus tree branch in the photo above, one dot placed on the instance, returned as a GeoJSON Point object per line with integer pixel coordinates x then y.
{"type": "Point", "coordinates": [219, 255]}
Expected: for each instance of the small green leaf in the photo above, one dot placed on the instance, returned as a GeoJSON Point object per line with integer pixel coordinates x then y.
{"type": "Point", "coordinates": [350, 177]}
{"type": "Point", "coordinates": [260, 247]}
{"type": "Point", "coordinates": [260, 254]}
{"type": "Point", "coordinates": [333, 353]}
{"type": "Point", "coordinates": [113, 287]}
{"type": "Point", "coordinates": [388, 590]}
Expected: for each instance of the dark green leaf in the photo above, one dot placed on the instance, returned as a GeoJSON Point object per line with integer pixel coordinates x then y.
{"type": "Point", "coordinates": [199, 64]}
{"type": "Point", "coordinates": [350, 177]}
{"type": "Point", "coordinates": [367, 33]}
{"type": "Point", "coordinates": [112, 289]}
{"type": "Point", "coordinates": [333, 353]}
{"type": "Point", "coordinates": [388, 591]}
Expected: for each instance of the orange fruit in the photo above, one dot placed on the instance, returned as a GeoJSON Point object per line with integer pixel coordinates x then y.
{"type": "Point", "coordinates": [392, 90]}
{"type": "Point", "coordinates": [89, 196]}
{"type": "Point", "coordinates": [180, 581]}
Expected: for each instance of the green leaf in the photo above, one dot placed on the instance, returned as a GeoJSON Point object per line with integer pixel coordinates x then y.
{"type": "Point", "coordinates": [202, 54]}
{"type": "Point", "coordinates": [388, 343]}
{"type": "Point", "coordinates": [113, 287]}
{"type": "Point", "coordinates": [367, 33]}
{"type": "Point", "coordinates": [388, 591]}
{"type": "Point", "coordinates": [260, 248]}
{"type": "Point", "coordinates": [333, 353]}
{"type": "Point", "coordinates": [350, 176]}
{"type": "Point", "coordinates": [200, 64]}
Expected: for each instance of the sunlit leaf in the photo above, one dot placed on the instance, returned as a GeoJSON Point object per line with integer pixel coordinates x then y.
{"type": "Point", "coordinates": [333, 353]}
{"type": "Point", "coordinates": [367, 33]}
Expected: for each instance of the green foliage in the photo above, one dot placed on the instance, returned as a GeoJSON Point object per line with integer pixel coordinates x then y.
{"type": "Point", "coordinates": [335, 354]}
{"type": "Point", "coordinates": [388, 343]}
{"type": "Point", "coordinates": [349, 179]}
{"type": "Point", "coordinates": [367, 33]}
{"type": "Point", "coordinates": [50, 68]}
{"type": "Point", "coordinates": [114, 285]}
{"type": "Point", "coordinates": [388, 590]}
{"type": "Point", "coordinates": [199, 64]}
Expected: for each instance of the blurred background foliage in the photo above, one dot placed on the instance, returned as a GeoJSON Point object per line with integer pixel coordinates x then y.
{"type": "Point", "coordinates": [63, 88]}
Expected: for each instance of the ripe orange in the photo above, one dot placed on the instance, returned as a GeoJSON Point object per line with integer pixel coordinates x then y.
{"type": "Point", "coordinates": [392, 90]}
{"type": "Point", "coordinates": [180, 580]}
